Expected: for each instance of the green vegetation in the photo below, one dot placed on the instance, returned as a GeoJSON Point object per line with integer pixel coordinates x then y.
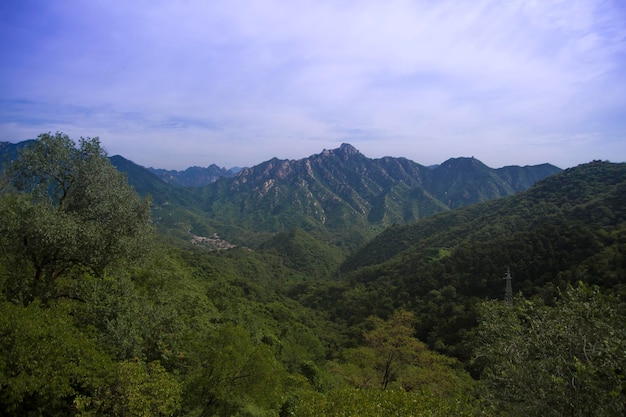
{"type": "Point", "coordinates": [563, 360]}
{"type": "Point", "coordinates": [100, 315]}
{"type": "Point", "coordinates": [566, 229]}
{"type": "Point", "coordinates": [72, 211]}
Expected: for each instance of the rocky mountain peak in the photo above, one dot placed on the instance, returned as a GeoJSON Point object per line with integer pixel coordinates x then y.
{"type": "Point", "coordinates": [344, 151]}
{"type": "Point", "coordinates": [347, 149]}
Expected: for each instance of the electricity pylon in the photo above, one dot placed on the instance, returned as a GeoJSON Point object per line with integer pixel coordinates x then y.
{"type": "Point", "coordinates": [508, 292]}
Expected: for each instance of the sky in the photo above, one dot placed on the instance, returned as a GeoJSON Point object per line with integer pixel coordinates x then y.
{"type": "Point", "coordinates": [178, 83]}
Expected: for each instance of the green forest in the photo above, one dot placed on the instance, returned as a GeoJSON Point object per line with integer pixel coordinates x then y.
{"type": "Point", "coordinates": [103, 312]}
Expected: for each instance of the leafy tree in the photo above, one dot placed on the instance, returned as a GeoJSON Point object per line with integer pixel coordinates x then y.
{"type": "Point", "coordinates": [565, 360]}
{"type": "Point", "coordinates": [73, 209]}
{"type": "Point", "coordinates": [394, 344]}
{"type": "Point", "coordinates": [394, 359]}
{"type": "Point", "coordinates": [138, 390]}
{"type": "Point", "coordinates": [129, 325]}
{"type": "Point", "coordinates": [358, 369]}
{"type": "Point", "coordinates": [232, 374]}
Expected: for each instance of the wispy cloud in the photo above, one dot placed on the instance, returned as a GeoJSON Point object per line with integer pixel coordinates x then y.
{"type": "Point", "coordinates": [237, 82]}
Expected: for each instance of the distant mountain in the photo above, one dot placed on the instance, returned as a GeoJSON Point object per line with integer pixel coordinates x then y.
{"type": "Point", "coordinates": [147, 183]}
{"type": "Point", "coordinates": [342, 193]}
{"type": "Point", "coordinates": [338, 195]}
{"type": "Point", "coordinates": [9, 151]}
{"type": "Point", "coordinates": [190, 177]}
{"type": "Point", "coordinates": [175, 209]}
{"type": "Point", "coordinates": [460, 182]}
{"type": "Point", "coordinates": [194, 176]}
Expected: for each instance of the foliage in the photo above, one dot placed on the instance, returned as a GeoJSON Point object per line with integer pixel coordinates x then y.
{"type": "Point", "coordinates": [394, 344]}
{"type": "Point", "coordinates": [231, 373]}
{"type": "Point", "coordinates": [354, 402]}
{"type": "Point", "coordinates": [302, 252]}
{"type": "Point", "coordinates": [566, 359]}
{"type": "Point", "coordinates": [393, 358]}
{"type": "Point", "coordinates": [441, 267]}
{"type": "Point", "coordinates": [45, 362]}
{"type": "Point", "coordinates": [138, 390]}
{"type": "Point", "coordinates": [74, 210]}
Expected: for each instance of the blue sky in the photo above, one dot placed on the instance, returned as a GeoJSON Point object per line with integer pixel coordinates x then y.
{"type": "Point", "coordinates": [176, 83]}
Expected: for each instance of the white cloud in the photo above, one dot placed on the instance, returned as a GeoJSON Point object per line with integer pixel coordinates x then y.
{"type": "Point", "coordinates": [438, 77]}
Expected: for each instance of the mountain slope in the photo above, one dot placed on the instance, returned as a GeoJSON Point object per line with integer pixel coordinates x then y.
{"type": "Point", "coordinates": [569, 227]}
{"type": "Point", "coordinates": [147, 183]}
{"type": "Point", "coordinates": [9, 151]}
{"type": "Point", "coordinates": [343, 193]}
{"type": "Point", "coordinates": [522, 178]}
{"type": "Point", "coordinates": [303, 253]}
{"type": "Point", "coordinates": [459, 182]}
{"type": "Point", "coordinates": [563, 198]}
{"type": "Point", "coordinates": [175, 210]}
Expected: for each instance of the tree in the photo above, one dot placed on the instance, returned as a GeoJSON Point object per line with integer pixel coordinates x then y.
{"type": "Point", "coordinates": [71, 209]}
{"type": "Point", "coordinates": [394, 359]}
{"type": "Point", "coordinates": [394, 343]}
{"type": "Point", "coordinates": [566, 360]}
{"type": "Point", "coordinates": [231, 373]}
{"type": "Point", "coordinates": [138, 390]}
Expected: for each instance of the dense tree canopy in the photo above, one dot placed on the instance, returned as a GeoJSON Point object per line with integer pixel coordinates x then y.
{"type": "Point", "coordinates": [71, 208]}
{"type": "Point", "coordinates": [563, 360]}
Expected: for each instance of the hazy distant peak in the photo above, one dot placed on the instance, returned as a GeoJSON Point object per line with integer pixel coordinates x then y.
{"type": "Point", "coordinates": [462, 161]}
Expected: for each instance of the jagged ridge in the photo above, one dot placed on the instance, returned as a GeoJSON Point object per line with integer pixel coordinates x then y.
{"type": "Point", "coordinates": [343, 191]}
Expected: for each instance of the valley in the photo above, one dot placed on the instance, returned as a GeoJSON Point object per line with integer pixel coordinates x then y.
{"type": "Point", "coordinates": [334, 284]}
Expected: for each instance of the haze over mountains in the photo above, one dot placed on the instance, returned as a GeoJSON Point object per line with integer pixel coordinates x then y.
{"type": "Point", "coordinates": [194, 176]}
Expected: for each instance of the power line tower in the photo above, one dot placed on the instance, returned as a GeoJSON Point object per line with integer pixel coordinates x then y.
{"type": "Point", "coordinates": [508, 291]}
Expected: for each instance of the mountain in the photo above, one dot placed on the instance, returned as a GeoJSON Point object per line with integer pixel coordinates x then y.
{"type": "Point", "coordinates": [459, 182]}
{"type": "Point", "coordinates": [9, 151]}
{"type": "Point", "coordinates": [343, 195]}
{"type": "Point", "coordinates": [190, 177]}
{"type": "Point", "coordinates": [567, 228]}
{"type": "Point", "coordinates": [566, 198]}
{"type": "Point", "coordinates": [338, 196]}
{"type": "Point", "coordinates": [194, 176]}
{"type": "Point", "coordinates": [303, 253]}
{"type": "Point", "coordinates": [142, 180]}
{"type": "Point", "coordinates": [176, 210]}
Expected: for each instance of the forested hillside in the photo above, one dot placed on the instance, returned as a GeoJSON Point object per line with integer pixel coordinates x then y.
{"type": "Point", "coordinates": [101, 315]}
{"type": "Point", "coordinates": [568, 228]}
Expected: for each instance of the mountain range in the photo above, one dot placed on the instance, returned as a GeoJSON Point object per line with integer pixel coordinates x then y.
{"type": "Point", "coordinates": [338, 238]}
{"type": "Point", "coordinates": [194, 176]}
{"type": "Point", "coordinates": [340, 196]}
{"type": "Point", "coordinates": [567, 228]}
